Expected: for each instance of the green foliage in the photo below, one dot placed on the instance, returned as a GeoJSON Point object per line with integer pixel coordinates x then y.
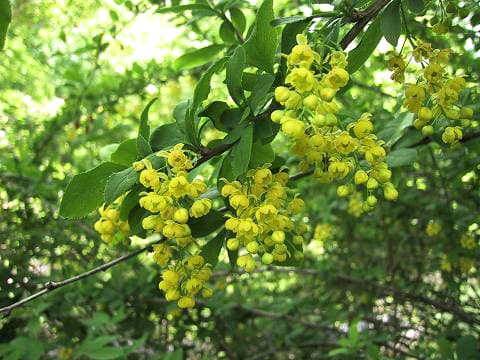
{"type": "Point", "coordinates": [85, 192]}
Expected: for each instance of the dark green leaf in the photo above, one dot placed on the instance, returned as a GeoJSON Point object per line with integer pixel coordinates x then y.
{"type": "Point", "coordinates": [227, 33]}
{"type": "Point", "coordinates": [5, 19]}
{"type": "Point", "coordinates": [391, 23]}
{"type": "Point", "coordinates": [105, 353]}
{"type": "Point", "coordinates": [233, 78]}
{"type": "Point", "coordinates": [166, 136]}
{"type": "Point", "coordinates": [211, 250]}
{"type": "Point", "coordinates": [135, 218]}
{"type": "Point", "coordinates": [84, 193]}
{"type": "Point", "coordinates": [203, 87]}
{"type": "Point", "coordinates": [119, 183]}
{"type": "Point", "coordinates": [262, 43]}
{"type": "Point", "coordinates": [261, 93]}
{"type": "Point", "coordinates": [369, 42]}
{"type": "Point", "coordinates": [130, 201]}
{"type": "Point", "coordinates": [241, 152]}
{"type": "Point", "coordinates": [197, 57]}
{"type": "Point", "coordinates": [143, 147]}
{"type": "Point", "coordinates": [262, 154]}
{"type": "Point", "coordinates": [416, 6]}
{"type": "Point", "coordinates": [126, 153]}
{"type": "Point", "coordinates": [467, 348]}
{"type": "Point", "coordinates": [401, 157]}
{"type": "Point", "coordinates": [214, 112]}
{"type": "Point", "coordinates": [206, 224]}
{"type": "Point", "coordinates": [238, 19]}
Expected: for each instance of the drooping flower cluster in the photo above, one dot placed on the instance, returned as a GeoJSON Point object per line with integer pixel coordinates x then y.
{"type": "Point", "coordinates": [321, 139]}
{"type": "Point", "coordinates": [262, 223]}
{"type": "Point", "coordinates": [172, 199]}
{"type": "Point", "coordinates": [185, 279]}
{"type": "Point", "coordinates": [109, 226]}
{"type": "Point", "coordinates": [434, 95]}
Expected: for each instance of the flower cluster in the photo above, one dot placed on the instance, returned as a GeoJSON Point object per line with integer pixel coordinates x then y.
{"type": "Point", "coordinates": [434, 95]}
{"type": "Point", "coordinates": [323, 232]}
{"type": "Point", "coordinates": [171, 197]}
{"type": "Point", "coordinates": [321, 139]}
{"type": "Point", "coordinates": [185, 279]}
{"type": "Point", "coordinates": [109, 226]}
{"type": "Point", "coordinates": [262, 222]}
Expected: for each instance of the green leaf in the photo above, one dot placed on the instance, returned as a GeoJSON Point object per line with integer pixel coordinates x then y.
{"type": "Point", "coordinates": [143, 147]}
{"type": "Point", "coordinates": [135, 218]}
{"type": "Point", "coordinates": [289, 20]}
{"type": "Point", "coordinates": [369, 42]}
{"type": "Point", "coordinates": [211, 250]}
{"type": "Point", "coordinates": [126, 153]}
{"type": "Point", "coordinates": [467, 348]}
{"type": "Point", "coordinates": [214, 112]}
{"type": "Point", "coordinates": [201, 92]}
{"type": "Point", "coordinates": [416, 6]}
{"type": "Point", "coordinates": [5, 19]}
{"type": "Point", "coordinates": [261, 93]}
{"type": "Point", "coordinates": [107, 151]}
{"type": "Point", "coordinates": [263, 154]}
{"type": "Point", "coordinates": [166, 136]}
{"type": "Point", "coordinates": [144, 128]}
{"type": "Point", "coordinates": [390, 22]}
{"type": "Point", "coordinates": [241, 152]}
{"type": "Point", "coordinates": [105, 353]}
{"type": "Point", "coordinates": [207, 224]}
{"type": "Point", "coordinates": [119, 183]}
{"type": "Point", "coordinates": [238, 19]}
{"type": "Point", "coordinates": [84, 193]}
{"type": "Point", "coordinates": [227, 33]}
{"type": "Point", "coordinates": [262, 43]}
{"type": "Point", "coordinates": [197, 57]}
{"type": "Point", "coordinates": [130, 201]}
{"type": "Point", "coordinates": [233, 77]}
{"type": "Point", "coordinates": [401, 157]}
{"type": "Point", "coordinates": [180, 115]}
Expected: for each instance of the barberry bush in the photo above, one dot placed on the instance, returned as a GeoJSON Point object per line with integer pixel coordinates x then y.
{"type": "Point", "coordinates": [235, 179]}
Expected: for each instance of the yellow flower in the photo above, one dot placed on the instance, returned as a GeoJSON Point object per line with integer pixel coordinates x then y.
{"type": "Point", "coordinates": [301, 55]}
{"type": "Point", "coordinates": [433, 73]}
{"type": "Point", "coordinates": [433, 228]}
{"type": "Point", "coordinates": [150, 179]}
{"type": "Point", "coordinates": [337, 78]}
{"type": "Point", "coordinates": [178, 160]}
{"type": "Point", "coordinates": [186, 302]}
{"type": "Point", "coordinates": [345, 144]}
{"type": "Point", "coordinates": [200, 208]}
{"type": "Point", "coordinates": [301, 79]}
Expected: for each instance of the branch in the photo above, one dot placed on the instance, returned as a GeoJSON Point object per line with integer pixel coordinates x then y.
{"type": "Point", "coordinates": [364, 19]}
{"type": "Point", "coordinates": [50, 286]}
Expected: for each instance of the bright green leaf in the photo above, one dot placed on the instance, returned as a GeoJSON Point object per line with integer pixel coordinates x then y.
{"type": "Point", "coordinates": [261, 93]}
{"type": "Point", "coordinates": [197, 57]}
{"type": "Point", "coordinates": [241, 152]}
{"type": "Point", "coordinates": [262, 43]}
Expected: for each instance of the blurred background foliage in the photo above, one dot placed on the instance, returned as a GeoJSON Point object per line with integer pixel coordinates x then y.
{"type": "Point", "coordinates": [74, 78]}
